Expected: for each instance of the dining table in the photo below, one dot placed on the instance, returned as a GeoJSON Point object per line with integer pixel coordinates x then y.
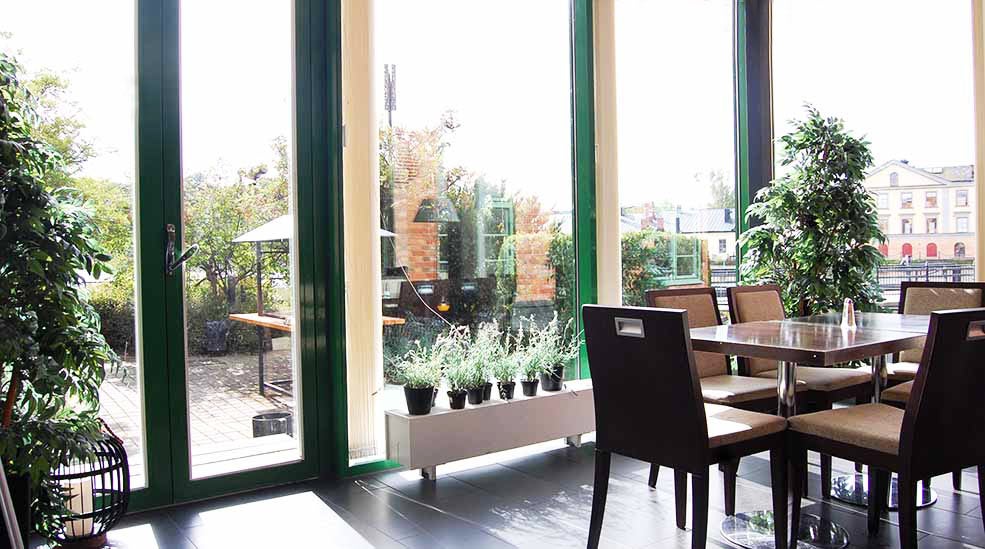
{"type": "Point", "coordinates": [821, 340]}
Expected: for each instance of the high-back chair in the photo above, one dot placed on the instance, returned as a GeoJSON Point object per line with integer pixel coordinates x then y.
{"type": "Point", "coordinates": [648, 406]}
{"type": "Point", "coordinates": [941, 430]}
{"type": "Point", "coordinates": [825, 386]}
{"type": "Point", "coordinates": [718, 386]}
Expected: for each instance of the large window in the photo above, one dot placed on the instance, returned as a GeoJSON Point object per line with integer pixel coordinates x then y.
{"type": "Point", "coordinates": [474, 179]}
{"type": "Point", "coordinates": [674, 82]}
{"type": "Point", "coordinates": [890, 58]}
{"type": "Point", "coordinates": [85, 83]}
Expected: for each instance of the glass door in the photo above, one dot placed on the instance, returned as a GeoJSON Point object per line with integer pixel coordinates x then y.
{"type": "Point", "coordinates": [237, 405]}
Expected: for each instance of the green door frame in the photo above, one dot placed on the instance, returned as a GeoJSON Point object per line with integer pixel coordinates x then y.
{"type": "Point", "coordinates": [161, 300]}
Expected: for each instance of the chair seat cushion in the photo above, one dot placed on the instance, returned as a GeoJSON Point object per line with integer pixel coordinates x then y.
{"type": "Point", "coordinates": [730, 425]}
{"type": "Point", "coordinates": [899, 393]}
{"type": "Point", "coordinates": [827, 379]}
{"type": "Point", "coordinates": [902, 371]}
{"type": "Point", "coordinates": [729, 389]}
{"type": "Point", "coordinates": [873, 426]}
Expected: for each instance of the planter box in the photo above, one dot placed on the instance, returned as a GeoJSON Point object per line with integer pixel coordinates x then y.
{"type": "Point", "coordinates": [444, 435]}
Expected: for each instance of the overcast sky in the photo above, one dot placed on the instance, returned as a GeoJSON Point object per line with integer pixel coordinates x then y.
{"type": "Point", "coordinates": [898, 71]}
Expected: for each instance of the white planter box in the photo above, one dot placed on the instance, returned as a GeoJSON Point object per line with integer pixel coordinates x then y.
{"type": "Point", "coordinates": [444, 435]}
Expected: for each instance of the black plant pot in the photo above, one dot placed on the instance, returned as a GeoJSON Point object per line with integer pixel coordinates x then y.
{"type": "Point", "coordinates": [20, 493]}
{"type": "Point", "coordinates": [419, 400]}
{"type": "Point", "coordinates": [475, 395]}
{"type": "Point", "coordinates": [487, 391]}
{"type": "Point", "coordinates": [456, 399]}
{"type": "Point", "coordinates": [529, 387]}
{"type": "Point", "coordinates": [506, 390]}
{"type": "Point", "coordinates": [553, 380]}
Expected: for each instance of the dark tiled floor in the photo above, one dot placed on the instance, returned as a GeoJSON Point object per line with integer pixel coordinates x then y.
{"type": "Point", "coordinates": [542, 500]}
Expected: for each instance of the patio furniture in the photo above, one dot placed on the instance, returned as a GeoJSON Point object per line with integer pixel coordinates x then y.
{"type": "Point", "coordinates": [644, 372]}
{"type": "Point", "coordinates": [813, 341]}
{"type": "Point", "coordinates": [825, 386]}
{"type": "Point", "coordinates": [946, 414]}
{"type": "Point", "coordinates": [718, 385]}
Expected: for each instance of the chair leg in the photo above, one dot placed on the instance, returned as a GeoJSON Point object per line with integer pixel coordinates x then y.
{"type": "Point", "coordinates": [798, 470]}
{"type": "Point", "coordinates": [699, 511]}
{"type": "Point", "coordinates": [731, 472]}
{"type": "Point", "coordinates": [907, 511]}
{"type": "Point", "coordinates": [861, 400]}
{"type": "Point", "coordinates": [825, 476]}
{"type": "Point", "coordinates": [680, 497]}
{"type": "Point", "coordinates": [778, 472]}
{"type": "Point", "coordinates": [956, 480]}
{"type": "Point", "coordinates": [981, 490]}
{"type": "Point", "coordinates": [654, 471]}
{"type": "Point", "coordinates": [878, 482]}
{"type": "Point", "coordinates": [602, 461]}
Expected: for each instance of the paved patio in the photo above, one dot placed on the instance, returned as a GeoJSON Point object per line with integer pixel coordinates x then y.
{"type": "Point", "coordinates": [222, 398]}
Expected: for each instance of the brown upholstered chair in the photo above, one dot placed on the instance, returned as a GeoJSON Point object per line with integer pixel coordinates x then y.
{"type": "Point", "coordinates": [942, 428]}
{"type": "Point", "coordinates": [825, 386]}
{"type": "Point", "coordinates": [648, 406]}
{"type": "Point", "coordinates": [718, 386]}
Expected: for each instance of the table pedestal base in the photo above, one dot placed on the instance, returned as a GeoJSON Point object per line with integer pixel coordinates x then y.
{"type": "Point", "coordinates": [854, 490]}
{"type": "Point", "coordinates": [755, 531]}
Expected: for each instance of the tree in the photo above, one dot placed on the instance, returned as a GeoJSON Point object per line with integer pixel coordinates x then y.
{"type": "Point", "coordinates": [818, 222]}
{"type": "Point", "coordinates": [722, 193]}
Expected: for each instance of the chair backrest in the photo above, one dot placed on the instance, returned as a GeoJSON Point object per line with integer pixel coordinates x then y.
{"type": "Point", "coordinates": [647, 399]}
{"type": "Point", "coordinates": [944, 425]}
{"type": "Point", "coordinates": [702, 310]}
{"type": "Point", "coordinates": [752, 304]}
{"type": "Point", "coordinates": [923, 298]}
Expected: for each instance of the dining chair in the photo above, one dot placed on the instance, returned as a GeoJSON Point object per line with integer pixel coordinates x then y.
{"type": "Point", "coordinates": [922, 298]}
{"type": "Point", "coordinates": [718, 385]}
{"type": "Point", "coordinates": [648, 406]}
{"type": "Point", "coordinates": [942, 428]}
{"type": "Point", "coordinates": [825, 386]}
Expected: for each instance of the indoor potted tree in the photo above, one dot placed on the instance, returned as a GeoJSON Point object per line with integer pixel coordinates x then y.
{"type": "Point", "coordinates": [814, 229]}
{"type": "Point", "coordinates": [52, 354]}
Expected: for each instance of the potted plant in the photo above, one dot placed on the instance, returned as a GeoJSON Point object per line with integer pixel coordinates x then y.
{"type": "Point", "coordinates": [476, 373]}
{"type": "Point", "coordinates": [52, 354]}
{"type": "Point", "coordinates": [553, 347]}
{"type": "Point", "coordinates": [505, 370]}
{"type": "Point", "coordinates": [485, 352]}
{"type": "Point", "coordinates": [458, 377]}
{"type": "Point", "coordinates": [813, 229]}
{"type": "Point", "coordinates": [420, 373]}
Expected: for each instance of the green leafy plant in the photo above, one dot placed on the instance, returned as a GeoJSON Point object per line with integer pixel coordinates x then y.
{"type": "Point", "coordinates": [52, 354]}
{"type": "Point", "coordinates": [814, 227]}
{"type": "Point", "coordinates": [553, 344]}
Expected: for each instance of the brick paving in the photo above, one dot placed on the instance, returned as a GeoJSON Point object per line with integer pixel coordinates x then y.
{"type": "Point", "coordinates": [223, 398]}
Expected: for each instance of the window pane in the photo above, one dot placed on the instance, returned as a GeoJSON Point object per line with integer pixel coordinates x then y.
{"type": "Point", "coordinates": [475, 183]}
{"type": "Point", "coordinates": [676, 143]}
{"type": "Point", "coordinates": [237, 207]}
{"type": "Point", "coordinates": [87, 97]}
{"type": "Point", "coordinates": [890, 59]}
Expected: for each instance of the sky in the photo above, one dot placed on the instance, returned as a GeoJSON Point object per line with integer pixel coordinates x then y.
{"type": "Point", "coordinates": [898, 72]}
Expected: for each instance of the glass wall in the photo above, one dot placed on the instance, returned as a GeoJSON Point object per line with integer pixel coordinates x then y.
{"type": "Point", "coordinates": [86, 93]}
{"type": "Point", "coordinates": [675, 104]}
{"type": "Point", "coordinates": [237, 201]}
{"type": "Point", "coordinates": [901, 75]}
{"type": "Point", "coordinates": [474, 182]}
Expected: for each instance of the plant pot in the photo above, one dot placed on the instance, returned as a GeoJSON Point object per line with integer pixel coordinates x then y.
{"type": "Point", "coordinates": [456, 399]}
{"type": "Point", "coordinates": [530, 387]}
{"type": "Point", "coordinates": [419, 400]}
{"type": "Point", "coordinates": [553, 380]}
{"type": "Point", "coordinates": [475, 395]}
{"type": "Point", "coordinates": [487, 391]}
{"type": "Point", "coordinates": [20, 494]}
{"type": "Point", "coordinates": [506, 390]}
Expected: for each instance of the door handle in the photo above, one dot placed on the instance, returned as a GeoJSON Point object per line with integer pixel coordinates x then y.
{"type": "Point", "coordinates": [171, 263]}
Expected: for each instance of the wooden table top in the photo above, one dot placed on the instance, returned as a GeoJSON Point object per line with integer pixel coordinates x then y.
{"type": "Point", "coordinates": [814, 341]}
{"type": "Point", "coordinates": [286, 325]}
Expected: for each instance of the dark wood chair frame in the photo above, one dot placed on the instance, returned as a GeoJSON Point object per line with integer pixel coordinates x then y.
{"type": "Point", "coordinates": [729, 468]}
{"type": "Point", "coordinates": [666, 385]}
{"type": "Point", "coordinates": [931, 442]}
{"type": "Point", "coordinates": [814, 401]}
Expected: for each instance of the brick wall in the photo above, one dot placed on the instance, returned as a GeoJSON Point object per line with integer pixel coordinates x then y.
{"type": "Point", "coordinates": [534, 275]}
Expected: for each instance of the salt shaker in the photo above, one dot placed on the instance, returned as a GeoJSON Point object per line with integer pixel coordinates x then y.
{"type": "Point", "coordinates": [848, 315]}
